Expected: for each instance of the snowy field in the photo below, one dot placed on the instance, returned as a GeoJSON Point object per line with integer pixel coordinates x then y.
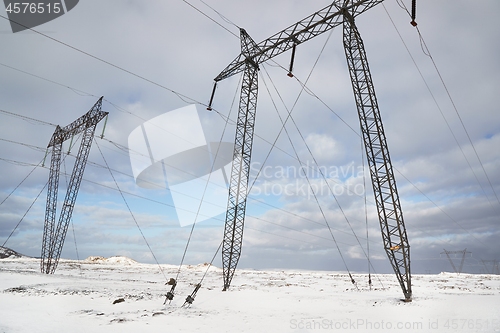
{"type": "Point", "coordinates": [79, 297]}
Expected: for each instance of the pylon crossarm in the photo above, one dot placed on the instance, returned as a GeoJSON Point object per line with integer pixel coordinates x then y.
{"type": "Point", "coordinates": [302, 31]}
{"type": "Point", "coordinates": [91, 118]}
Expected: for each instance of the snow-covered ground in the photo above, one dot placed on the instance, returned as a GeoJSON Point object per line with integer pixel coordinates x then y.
{"type": "Point", "coordinates": [79, 297]}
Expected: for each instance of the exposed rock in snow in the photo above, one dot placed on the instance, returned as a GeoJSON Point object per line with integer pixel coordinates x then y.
{"type": "Point", "coordinates": [95, 259]}
{"type": "Point", "coordinates": [5, 252]}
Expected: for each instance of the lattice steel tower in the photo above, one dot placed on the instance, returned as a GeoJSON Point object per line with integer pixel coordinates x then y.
{"type": "Point", "coordinates": [384, 185]}
{"type": "Point", "coordinates": [54, 235]}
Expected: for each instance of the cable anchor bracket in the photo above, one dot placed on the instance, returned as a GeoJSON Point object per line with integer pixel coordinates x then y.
{"type": "Point", "coordinates": [190, 298]}
{"type": "Point", "coordinates": [170, 295]}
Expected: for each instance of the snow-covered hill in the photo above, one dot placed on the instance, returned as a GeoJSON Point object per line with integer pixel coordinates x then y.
{"type": "Point", "coordinates": [5, 252]}
{"type": "Point", "coordinates": [81, 297]}
{"type": "Point", "coordinates": [111, 260]}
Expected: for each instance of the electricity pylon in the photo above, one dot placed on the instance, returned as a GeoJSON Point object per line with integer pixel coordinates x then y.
{"type": "Point", "coordinates": [463, 253]}
{"type": "Point", "coordinates": [389, 210]}
{"type": "Point", "coordinates": [54, 235]}
{"type": "Point", "coordinates": [240, 170]}
{"type": "Point", "coordinates": [384, 185]}
{"type": "Point", "coordinates": [495, 269]}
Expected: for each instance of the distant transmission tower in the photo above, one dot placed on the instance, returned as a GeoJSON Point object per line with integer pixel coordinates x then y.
{"type": "Point", "coordinates": [495, 269]}
{"type": "Point", "coordinates": [464, 253]}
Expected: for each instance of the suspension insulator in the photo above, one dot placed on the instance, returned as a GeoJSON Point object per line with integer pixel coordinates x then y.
{"type": "Point", "coordinates": [209, 108]}
{"type": "Point", "coordinates": [290, 74]}
{"type": "Point", "coordinates": [413, 12]}
{"type": "Point", "coordinates": [104, 127]}
{"type": "Point", "coordinates": [189, 299]}
{"type": "Point", "coordinates": [170, 295]}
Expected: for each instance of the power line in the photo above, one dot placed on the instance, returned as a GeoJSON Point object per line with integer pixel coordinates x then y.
{"type": "Point", "coordinates": [317, 165]}
{"type": "Point", "coordinates": [427, 52]}
{"type": "Point", "coordinates": [261, 202]}
{"type": "Point", "coordinates": [26, 213]}
{"type": "Point", "coordinates": [302, 232]}
{"type": "Point", "coordinates": [251, 198]}
{"type": "Point", "coordinates": [80, 92]}
{"type": "Point", "coordinates": [76, 91]}
{"type": "Point", "coordinates": [222, 17]}
{"type": "Point", "coordinates": [36, 198]}
{"type": "Point", "coordinates": [211, 19]}
{"type": "Point", "coordinates": [459, 117]}
{"type": "Point", "coordinates": [310, 92]}
{"type": "Point", "coordinates": [24, 179]}
{"type": "Point", "coordinates": [366, 215]}
{"type": "Point", "coordinates": [130, 211]}
{"type": "Point", "coordinates": [203, 196]}
{"type": "Point", "coordinates": [123, 148]}
{"type": "Point", "coordinates": [68, 87]}
{"type": "Point", "coordinates": [71, 219]}
{"type": "Point", "coordinates": [225, 118]}
{"type": "Point", "coordinates": [444, 118]}
{"type": "Point", "coordinates": [289, 116]}
{"type": "Point", "coordinates": [26, 118]}
{"type": "Point", "coordinates": [165, 204]}
{"type": "Point", "coordinates": [183, 97]}
{"type": "Point", "coordinates": [319, 169]}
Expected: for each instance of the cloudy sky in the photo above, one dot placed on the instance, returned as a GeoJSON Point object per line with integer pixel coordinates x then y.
{"type": "Point", "coordinates": [149, 58]}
